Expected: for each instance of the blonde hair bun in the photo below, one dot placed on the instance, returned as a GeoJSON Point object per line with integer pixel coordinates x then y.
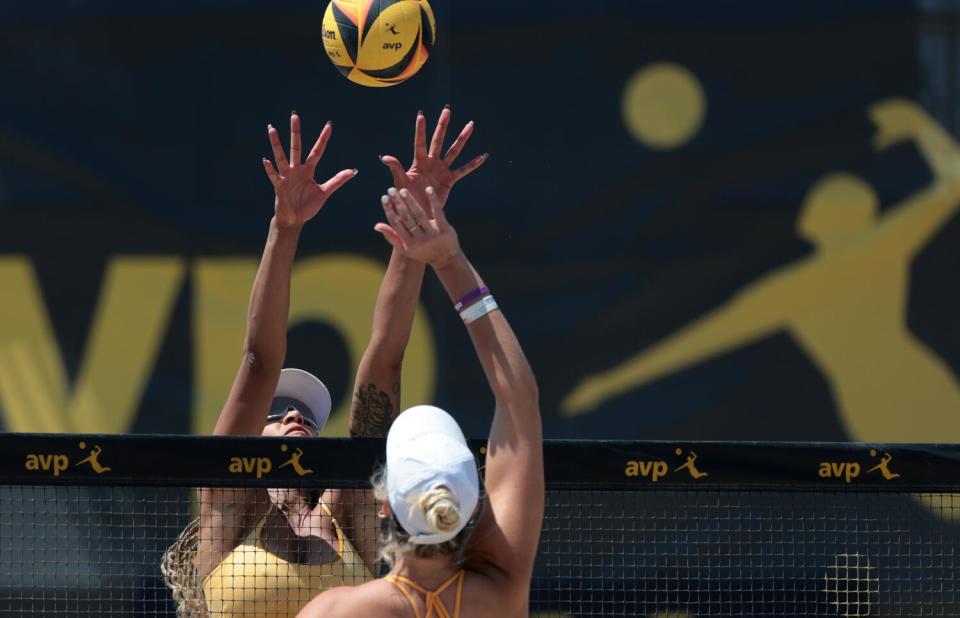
{"type": "Point", "coordinates": [440, 509]}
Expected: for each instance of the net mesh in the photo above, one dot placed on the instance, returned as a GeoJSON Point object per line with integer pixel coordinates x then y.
{"type": "Point", "coordinates": [72, 550]}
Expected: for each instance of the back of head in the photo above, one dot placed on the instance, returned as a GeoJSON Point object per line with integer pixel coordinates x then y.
{"type": "Point", "coordinates": [441, 510]}
{"type": "Point", "coordinates": [430, 480]}
{"type": "Point", "coordinates": [426, 451]}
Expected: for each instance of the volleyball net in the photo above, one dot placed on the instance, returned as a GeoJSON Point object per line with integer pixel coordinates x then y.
{"type": "Point", "coordinates": [631, 528]}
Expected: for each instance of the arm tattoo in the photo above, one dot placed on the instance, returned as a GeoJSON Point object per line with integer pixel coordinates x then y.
{"type": "Point", "coordinates": [373, 411]}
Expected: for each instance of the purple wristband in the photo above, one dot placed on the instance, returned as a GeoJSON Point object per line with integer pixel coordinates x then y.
{"type": "Point", "coordinates": [477, 294]}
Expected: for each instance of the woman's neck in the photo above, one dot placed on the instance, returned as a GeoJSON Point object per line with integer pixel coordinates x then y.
{"type": "Point", "coordinates": [428, 572]}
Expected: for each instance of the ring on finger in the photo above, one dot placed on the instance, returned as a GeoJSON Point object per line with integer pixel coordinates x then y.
{"type": "Point", "coordinates": [416, 226]}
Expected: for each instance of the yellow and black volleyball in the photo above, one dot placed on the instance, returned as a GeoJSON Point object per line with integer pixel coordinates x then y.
{"type": "Point", "coordinates": [378, 42]}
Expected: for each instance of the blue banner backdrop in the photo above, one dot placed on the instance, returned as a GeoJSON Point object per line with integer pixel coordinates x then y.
{"type": "Point", "coordinates": [731, 221]}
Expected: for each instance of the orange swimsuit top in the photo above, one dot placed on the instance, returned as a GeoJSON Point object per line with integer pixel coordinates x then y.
{"type": "Point", "coordinates": [431, 601]}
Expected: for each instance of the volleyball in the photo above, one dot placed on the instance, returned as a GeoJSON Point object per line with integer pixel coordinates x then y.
{"type": "Point", "coordinates": [378, 42]}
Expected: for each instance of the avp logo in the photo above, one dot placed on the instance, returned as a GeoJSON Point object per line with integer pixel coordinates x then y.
{"type": "Point", "coordinates": [398, 45]}
{"type": "Point", "coordinates": [58, 462]}
{"type": "Point", "coordinates": [849, 470]}
{"type": "Point", "coordinates": [883, 466]}
{"type": "Point", "coordinates": [657, 469]}
{"type": "Point", "coordinates": [392, 28]}
{"type": "Point", "coordinates": [295, 461]}
{"type": "Point", "coordinates": [260, 466]}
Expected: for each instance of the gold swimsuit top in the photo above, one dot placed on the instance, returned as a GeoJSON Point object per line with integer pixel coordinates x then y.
{"type": "Point", "coordinates": [433, 606]}
{"type": "Point", "coordinates": [253, 582]}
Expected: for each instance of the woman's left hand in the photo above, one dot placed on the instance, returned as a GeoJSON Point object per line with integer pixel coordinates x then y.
{"type": "Point", "coordinates": [429, 169]}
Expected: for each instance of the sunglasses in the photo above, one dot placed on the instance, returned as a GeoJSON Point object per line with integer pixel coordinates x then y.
{"type": "Point", "coordinates": [279, 416]}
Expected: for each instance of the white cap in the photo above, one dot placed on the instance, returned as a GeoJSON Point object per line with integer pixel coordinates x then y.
{"type": "Point", "coordinates": [305, 392]}
{"type": "Point", "coordinates": [426, 449]}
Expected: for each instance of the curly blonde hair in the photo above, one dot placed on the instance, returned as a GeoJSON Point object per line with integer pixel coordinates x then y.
{"type": "Point", "coordinates": [440, 509]}
{"type": "Point", "coordinates": [179, 569]}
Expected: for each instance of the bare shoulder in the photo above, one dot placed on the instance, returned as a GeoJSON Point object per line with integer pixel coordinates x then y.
{"type": "Point", "coordinates": [490, 590]}
{"type": "Point", "coordinates": [376, 598]}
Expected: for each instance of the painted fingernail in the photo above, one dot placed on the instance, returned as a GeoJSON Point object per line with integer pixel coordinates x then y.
{"type": "Point", "coordinates": [419, 112]}
{"type": "Point", "coordinates": [381, 159]}
{"type": "Point", "coordinates": [269, 127]}
{"type": "Point", "coordinates": [293, 112]}
{"type": "Point", "coordinates": [470, 123]}
{"type": "Point", "coordinates": [404, 193]}
{"type": "Point", "coordinates": [430, 191]}
{"type": "Point", "coordinates": [486, 155]}
{"type": "Point", "coordinates": [392, 192]}
{"type": "Point", "coordinates": [447, 106]}
{"type": "Point", "coordinates": [384, 199]}
{"type": "Point", "coordinates": [329, 123]}
{"type": "Point", "coordinates": [355, 171]}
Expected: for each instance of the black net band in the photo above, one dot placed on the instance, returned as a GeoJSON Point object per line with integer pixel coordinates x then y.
{"type": "Point", "coordinates": [631, 529]}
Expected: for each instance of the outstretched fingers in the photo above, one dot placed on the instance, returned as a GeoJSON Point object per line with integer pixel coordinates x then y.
{"type": "Point", "coordinates": [320, 145]}
{"type": "Point", "coordinates": [408, 223]}
{"type": "Point", "coordinates": [420, 138]}
{"type": "Point", "coordinates": [397, 215]}
{"type": "Point", "coordinates": [458, 144]}
{"type": "Point", "coordinates": [390, 230]}
{"type": "Point", "coordinates": [438, 214]}
{"type": "Point", "coordinates": [271, 173]}
{"type": "Point", "coordinates": [277, 148]}
{"type": "Point", "coordinates": [338, 181]}
{"type": "Point", "coordinates": [391, 236]}
{"type": "Point", "coordinates": [396, 170]}
{"type": "Point", "coordinates": [469, 167]}
{"type": "Point", "coordinates": [417, 215]}
{"type": "Point", "coordinates": [295, 146]}
{"type": "Point", "coordinates": [436, 144]}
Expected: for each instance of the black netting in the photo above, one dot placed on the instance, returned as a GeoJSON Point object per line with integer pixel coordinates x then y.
{"type": "Point", "coordinates": [96, 551]}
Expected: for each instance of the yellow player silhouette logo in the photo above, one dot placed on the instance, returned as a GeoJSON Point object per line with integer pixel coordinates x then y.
{"type": "Point", "coordinates": [691, 465]}
{"type": "Point", "coordinates": [295, 461]}
{"type": "Point", "coordinates": [845, 305]}
{"type": "Point", "coordinates": [93, 459]}
{"type": "Point", "coordinates": [883, 466]}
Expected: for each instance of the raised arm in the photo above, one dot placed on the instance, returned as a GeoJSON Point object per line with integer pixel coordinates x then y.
{"type": "Point", "coordinates": [298, 199]}
{"type": "Point", "coordinates": [505, 541]}
{"type": "Point", "coordinates": [376, 396]}
{"type": "Point", "coordinates": [224, 513]}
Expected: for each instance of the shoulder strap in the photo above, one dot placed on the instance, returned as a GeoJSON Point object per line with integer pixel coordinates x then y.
{"type": "Point", "coordinates": [432, 601]}
{"type": "Point", "coordinates": [336, 526]}
{"type": "Point", "coordinates": [395, 580]}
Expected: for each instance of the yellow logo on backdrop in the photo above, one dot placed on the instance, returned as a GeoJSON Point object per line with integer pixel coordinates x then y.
{"type": "Point", "coordinates": [295, 461]}
{"type": "Point", "coordinates": [656, 469]}
{"type": "Point", "coordinates": [59, 462]}
{"type": "Point", "coordinates": [260, 466]}
{"type": "Point", "coordinates": [845, 305]}
{"type": "Point", "coordinates": [850, 470]}
{"type": "Point", "coordinates": [133, 312]}
{"type": "Point", "coordinates": [250, 465]}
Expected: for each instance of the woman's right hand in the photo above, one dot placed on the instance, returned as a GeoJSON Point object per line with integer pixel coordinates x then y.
{"type": "Point", "coordinates": [298, 196]}
{"type": "Point", "coordinates": [419, 236]}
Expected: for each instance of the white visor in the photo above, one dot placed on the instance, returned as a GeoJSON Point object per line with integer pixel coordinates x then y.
{"type": "Point", "coordinates": [426, 449]}
{"type": "Point", "coordinates": [305, 392]}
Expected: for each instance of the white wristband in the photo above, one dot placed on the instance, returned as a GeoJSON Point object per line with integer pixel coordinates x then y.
{"type": "Point", "coordinates": [477, 310]}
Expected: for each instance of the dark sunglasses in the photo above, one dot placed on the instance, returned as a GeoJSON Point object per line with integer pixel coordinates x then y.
{"type": "Point", "coordinates": [276, 418]}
